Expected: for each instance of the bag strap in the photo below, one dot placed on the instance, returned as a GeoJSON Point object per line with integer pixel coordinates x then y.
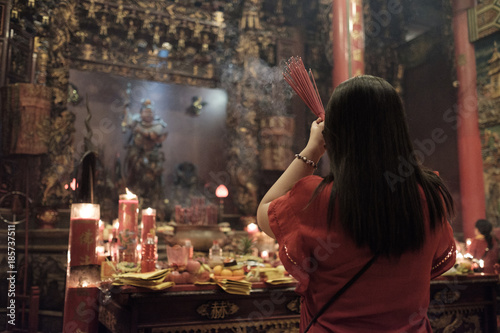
{"type": "Point", "coordinates": [341, 291]}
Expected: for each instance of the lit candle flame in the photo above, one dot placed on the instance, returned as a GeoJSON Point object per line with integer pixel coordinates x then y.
{"type": "Point", "coordinates": [128, 196]}
{"type": "Point", "coordinates": [252, 228]}
{"type": "Point", "coordinates": [221, 191]}
{"type": "Point", "coordinates": [139, 251]}
{"type": "Point", "coordinates": [87, 211]}
{"type": "Point", "coordinates": [264, 254]}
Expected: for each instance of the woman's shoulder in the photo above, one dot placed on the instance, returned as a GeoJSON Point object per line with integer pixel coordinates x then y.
{"type": "Point", "coordinates": [302, 192]}
{"type": "Point", "coordinates": [308, 182]}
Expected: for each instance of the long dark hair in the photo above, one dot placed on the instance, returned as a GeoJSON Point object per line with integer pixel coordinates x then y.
{"type": "Point", "coordinates": [485, 228]}
{"type": "Point", "coordinates": [375, 171]}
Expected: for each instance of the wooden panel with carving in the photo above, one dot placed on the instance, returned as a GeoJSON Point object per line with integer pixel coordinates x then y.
{"type": "Point", "coordinates": [463, 304]}
{"type": "Point", "coordinates": [203, 309]}
{"type": "Point", "coordinates": [457, 304]}
{"type": "Point", "coordinates": [484, 19]}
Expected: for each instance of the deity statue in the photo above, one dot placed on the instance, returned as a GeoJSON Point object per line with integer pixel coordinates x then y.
{"type": "Point", "coordinates": [144, 159]}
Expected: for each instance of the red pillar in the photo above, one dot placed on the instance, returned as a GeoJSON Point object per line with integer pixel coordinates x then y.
{"type": "Point", "coordinates": [468, 138]}
{"type": "Point", "coordinates": [357, 38]}
{"type": "Point", "coordinates": [340, 45]}
{"type": "Point", "coordinates": [348, 40]}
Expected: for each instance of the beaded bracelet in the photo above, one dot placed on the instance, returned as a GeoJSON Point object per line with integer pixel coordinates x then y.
{"type": "Point", "coordinates": [307, 161]}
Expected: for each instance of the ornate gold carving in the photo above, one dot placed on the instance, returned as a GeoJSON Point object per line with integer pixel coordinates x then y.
{"type": "Point", "coordinates": [465, 318]}
{"type": "Point", "coordinates": [491, 155]}
{"type": "Point", "coordinates": [91, 35]}
{"type": "Point", "coordinates": [269, 326]}
{"type": "Point", "coordinates": [107, 318]}
{"type": "Point", "coordinates": [251, 13]}
{"type": "Point", "coordinates": [489, 91]}
{"type": "Point", "coordinates": [447, 296]}
{"type": "Point", "coordinates": [276, 140]}
{"type": "Point", "coordinates": [455, 321]}
{"type": "Point", "coordinates": [53, 69]}
{"type": "Point", "coordinates": [484, 19]}
{"type": "Point", "coordinates": [138, 29]}
{"type": "Point", "coordinates": [217, 309]}
{"type": "Point", "coordinates": [294, 305]}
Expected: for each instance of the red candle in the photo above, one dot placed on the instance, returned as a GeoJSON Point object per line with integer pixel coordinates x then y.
{"type": "Point", "coordinates": [128, 211]}
{"type": "Point", "coordinates": [148, 224]}
{"type": "Point", "coordinates": [81, 310]}
{"type": "Point", "coordinates": [83, 234]}
{"type": "Point", "coordinates": [148, 263]}
{"type": "Point", "coordinates": [116, 226]}
{"type": "Point", "coordinates": [101, 256]}
{"type": "Point", "coordinates": [100, 233]}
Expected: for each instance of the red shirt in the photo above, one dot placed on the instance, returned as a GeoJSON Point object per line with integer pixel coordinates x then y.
{"type": "Point", "coordinates": [478, 248]}
{"type": "Point", "coordinates": [391, 296]}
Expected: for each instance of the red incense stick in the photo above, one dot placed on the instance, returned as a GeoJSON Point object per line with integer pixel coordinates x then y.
{"type": "Point", "coordinates": [304, 85]}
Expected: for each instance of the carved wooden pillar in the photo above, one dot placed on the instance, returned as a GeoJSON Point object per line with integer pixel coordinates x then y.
{"type": "Point", "coordinates": [59, 133]}
{"type": "Point", "coordinates": [469, 142]}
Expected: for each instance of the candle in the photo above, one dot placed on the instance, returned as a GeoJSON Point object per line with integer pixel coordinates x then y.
{"type": "Point", "coordinates": [116, 226]}
{"type": "Point", "coordinates": [148, 224]}
{"type": "Point", "coordinates": [468, 242]}
{"type": "Point", "coordinates": [148, 261]}
{"type": "Point", "coordinates": [80, 310]}
{"type": "Point", "coordinates": [101, 255]}
{"type": "Point", "coordinates": [106, 234]}
{"type": "Point", "coordinates": [252, 229]}
{"type": "Point", "coordinates": [101, 231]}
{"type": "Point", "coordinates": [138, 250]}
{"type": "Point", "coordinates": [128, 211]}
{"type": "Point", "coordinates": [81, 294]}
{"type": "Point", "coordinates": [83, 234]}
{"type": "Point", "coordinates": [264, 255]}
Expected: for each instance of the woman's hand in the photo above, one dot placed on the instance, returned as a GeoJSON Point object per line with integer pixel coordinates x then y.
{"type": "Point", "coordinates": [315, 147]}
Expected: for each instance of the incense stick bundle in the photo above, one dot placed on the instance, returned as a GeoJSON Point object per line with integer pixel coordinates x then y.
{"type": "Point", "coordinates": [302, 82]}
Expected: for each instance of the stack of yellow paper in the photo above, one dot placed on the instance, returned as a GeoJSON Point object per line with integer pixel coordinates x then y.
{"type": "Point", "coordinates": [259, 273]}
{"type": "Point", "coordinates": [205, 283]}
{"type": "Point", "coordinates": [283, 280]}
{"type": "Point", "coordinates": [151, 280]}
{"type": "Point", "coordinates": [240, 287]}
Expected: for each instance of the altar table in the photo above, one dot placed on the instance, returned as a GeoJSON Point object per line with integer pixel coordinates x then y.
{"type": "Point", "coordinates": [464, 303]}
